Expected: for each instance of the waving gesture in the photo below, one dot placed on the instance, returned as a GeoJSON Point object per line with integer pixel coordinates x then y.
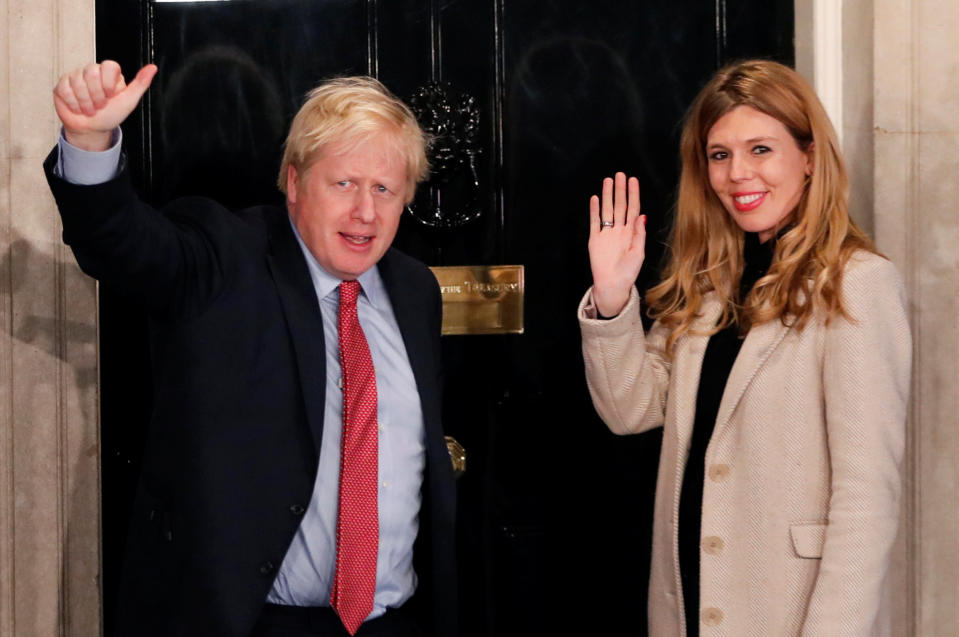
{"type": "Point", "coordinates": [617, 242]}
{"type": "Point", "coordinates": [93, 100]}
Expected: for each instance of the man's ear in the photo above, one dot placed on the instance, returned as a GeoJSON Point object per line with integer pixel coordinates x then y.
{"type": "Point", "coordinates": [292, 178]}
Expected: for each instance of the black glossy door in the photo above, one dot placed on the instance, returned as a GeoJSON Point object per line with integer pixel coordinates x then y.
{"type": "Point", "coordinates": [547, 98]}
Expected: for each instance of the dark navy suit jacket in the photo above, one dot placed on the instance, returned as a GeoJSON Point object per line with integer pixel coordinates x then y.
{"type": "Point", "coordinates": [239, 387]}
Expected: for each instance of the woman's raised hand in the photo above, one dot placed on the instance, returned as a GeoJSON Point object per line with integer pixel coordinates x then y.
{"type": "Point", "coordinates": [93, 100]}
{"type": "Point", "coordinates": [617, 242]}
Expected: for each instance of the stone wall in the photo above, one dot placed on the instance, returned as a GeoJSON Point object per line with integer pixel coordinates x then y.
{"type": "Point", "coordinates": [899, 61]}
{"type": "Point", "coordinates": [898, 64]}
{"type": "Point", "coordinates": [49, 462]}
{"type": "Point", "coordinates": [916, 190]}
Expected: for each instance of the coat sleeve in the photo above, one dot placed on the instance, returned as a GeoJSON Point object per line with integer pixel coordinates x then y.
{"type": "Point", "coordinates": [866, 372]}
{"type": "Point", "coordinates": [627, 371]}
{"type": "Point", "coordinates": [172, 262]}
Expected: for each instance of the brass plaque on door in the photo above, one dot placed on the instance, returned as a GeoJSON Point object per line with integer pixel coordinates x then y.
{"type": "Point", "coordinates": [481, 299]}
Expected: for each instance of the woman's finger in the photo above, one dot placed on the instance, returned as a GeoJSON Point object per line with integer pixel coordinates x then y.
{"type": "Point", "coordinates": [606, 211]}
{"type": "Point", "coordinates": [639, 234]}
{"type": "Point", "coordinates": [632, 207]}
{"type": "Point", "coordinates": [619, 199]}
{"type": "Point", "coordinates": [593, 215]}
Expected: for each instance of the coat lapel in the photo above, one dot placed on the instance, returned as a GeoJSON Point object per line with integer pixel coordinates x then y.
{"type": "Point", "coordinates": [760, 342]}
{"type": "Point", "coordinates": [688, 366]}
{"type": "Point", "coordinates": [303, 318]}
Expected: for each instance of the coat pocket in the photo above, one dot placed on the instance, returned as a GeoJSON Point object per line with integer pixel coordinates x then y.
{"type": "Point", "coordinates": [808, 539]}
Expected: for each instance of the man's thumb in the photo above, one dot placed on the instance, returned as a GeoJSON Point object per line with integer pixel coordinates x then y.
{"type": "Point", "coordinates": [139, 84]}
{"type": "Point", "coordinates": [126, 100]}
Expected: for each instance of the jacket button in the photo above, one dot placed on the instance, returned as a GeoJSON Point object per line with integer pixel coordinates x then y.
{"type": "Point", "coordinates": [712, 616]}
{"type": "Point", "coordinates": [718, 472]}
{"type": "Point", "coordinates": [266, 568]}
{"type": "Point", "coordinates": [713, 545]}
{"type": "Point", "coordinates": [297, 509]}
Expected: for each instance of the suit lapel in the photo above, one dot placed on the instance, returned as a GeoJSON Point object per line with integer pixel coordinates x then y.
{"type": "Point", "coordinates": [409, 315]}
{"type": "Point", "coordinates": [303, 318]}
{"type": "Point", "coordinates": [413, 322]}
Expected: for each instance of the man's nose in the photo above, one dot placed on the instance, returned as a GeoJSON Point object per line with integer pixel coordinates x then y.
{"type": "Point", "coordinates": [364, 209]}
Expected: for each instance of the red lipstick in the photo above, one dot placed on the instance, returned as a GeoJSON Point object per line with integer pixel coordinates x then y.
{"type": "Point", "coordinates": [746, 201]}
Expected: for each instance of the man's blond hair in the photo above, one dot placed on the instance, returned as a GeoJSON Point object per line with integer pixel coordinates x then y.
{"type": "Point", "coordinates": [347, 111]}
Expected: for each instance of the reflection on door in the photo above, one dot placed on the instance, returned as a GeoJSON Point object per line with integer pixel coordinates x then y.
{"type": "Point", "coordinates": [542, 100]}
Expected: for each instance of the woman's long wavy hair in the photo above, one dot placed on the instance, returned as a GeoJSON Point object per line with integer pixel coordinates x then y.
{"type": "Point", "coordinates": [706, 247]}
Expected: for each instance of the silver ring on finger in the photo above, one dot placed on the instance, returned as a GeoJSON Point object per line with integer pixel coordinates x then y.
{"type": "Point", "coordinates": [607, 224]}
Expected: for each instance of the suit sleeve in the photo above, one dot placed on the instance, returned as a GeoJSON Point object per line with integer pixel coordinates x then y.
{"type": "Point", "coordinates": [627, 371]}
{"type": "Point", "coordinates": [172, 263]}
{"type": "Point", "coordinates": [866, 371]}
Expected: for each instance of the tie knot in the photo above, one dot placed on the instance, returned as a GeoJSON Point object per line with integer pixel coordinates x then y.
{"type": "Point", "coordinates": [349, 291]}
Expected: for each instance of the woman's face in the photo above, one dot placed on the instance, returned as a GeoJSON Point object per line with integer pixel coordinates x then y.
{"type": "Point", "coordinates": [756, 168]}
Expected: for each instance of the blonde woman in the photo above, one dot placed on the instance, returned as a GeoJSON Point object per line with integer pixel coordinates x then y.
{"type": "Point", "coordinates": [778, 365]}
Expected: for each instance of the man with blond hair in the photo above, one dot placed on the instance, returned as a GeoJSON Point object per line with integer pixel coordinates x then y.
{"type": "Point", "coordinates": [295, 479]}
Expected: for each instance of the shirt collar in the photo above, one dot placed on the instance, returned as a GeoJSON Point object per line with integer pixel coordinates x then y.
{"type": "Point", "coordinates": [371, 283]}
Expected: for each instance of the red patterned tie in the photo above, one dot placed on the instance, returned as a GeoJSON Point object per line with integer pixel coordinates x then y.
{"type": "Point", "coordinates": [357, 527]}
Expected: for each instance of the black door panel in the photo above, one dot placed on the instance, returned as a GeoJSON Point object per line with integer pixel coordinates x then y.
{"type": "Point", "coordinates": [555, 512]}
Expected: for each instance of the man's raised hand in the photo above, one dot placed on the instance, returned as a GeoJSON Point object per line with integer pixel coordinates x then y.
{"type": "Point", "coordinates": [93, 100]}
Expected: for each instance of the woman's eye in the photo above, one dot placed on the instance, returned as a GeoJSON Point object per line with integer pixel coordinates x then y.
{"type": "Point", "coordinates": [718, 155]}
{"type": "Point", "coordinates": [760, 150]}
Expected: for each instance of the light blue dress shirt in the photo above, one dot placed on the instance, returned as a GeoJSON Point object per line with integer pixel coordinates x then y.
{"type": "Point", "coordinates": [86, 168]}
{"type": "Point", "coordinates": [305, 577]}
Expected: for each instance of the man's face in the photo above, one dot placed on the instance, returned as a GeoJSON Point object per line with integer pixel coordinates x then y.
{"type": "Point", "coordinates": [347, 204]}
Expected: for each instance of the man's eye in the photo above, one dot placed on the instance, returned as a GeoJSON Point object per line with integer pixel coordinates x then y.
{"type": "Point", "coordinates": [382, 189]}
{"type": "Point", "coordinates": [343, 183]}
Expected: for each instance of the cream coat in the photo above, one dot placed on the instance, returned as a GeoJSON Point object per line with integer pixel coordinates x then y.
{"type": "Point", "coordinates": [801, 494]}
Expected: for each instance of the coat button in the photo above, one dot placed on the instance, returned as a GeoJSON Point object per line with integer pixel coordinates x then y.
{"type": "Point", "coordinates": [713, 545]}
{"type": "Point", "coordinates": [718, 472]}
{"type": "Point", "coordinates": [297, 509]}
{"type": "Point", "coordinates": [267, 567]}
{"type": "Point", "coordinates": [712, 616]}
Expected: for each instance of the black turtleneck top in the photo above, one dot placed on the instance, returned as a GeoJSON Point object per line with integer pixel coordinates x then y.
{"type": "Point", "coordinates": [718, 361]}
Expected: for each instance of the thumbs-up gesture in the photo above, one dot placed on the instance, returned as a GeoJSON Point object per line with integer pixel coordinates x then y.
{"type": "Point", "coordinates": [93, 100]}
